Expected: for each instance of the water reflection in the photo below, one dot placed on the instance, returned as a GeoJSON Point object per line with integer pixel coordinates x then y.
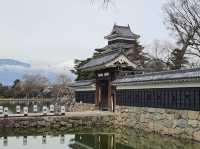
{"type": "Point", "coordinates": [25, 140]}
{"type": "Point", "coordinates": [90, 141]}
{"type": "Point", "coordinates": [62, 139]}
{"type": "Point", "coordinates": [44, 140]}
{"type": "Point", "coordinates": [123, 139]}
{"type": "Point", "coordinates": [5, 141]}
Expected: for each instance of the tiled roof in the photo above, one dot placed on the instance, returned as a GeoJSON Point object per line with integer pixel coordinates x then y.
{"type": "Point", "coordinates": [160, 76]}
{"type": "Point", "coordinates": [185, 74]}
{"type": "Point", "coordinates": [122, 31]}
{"type": "Point", "coordinates": [117, 47]}
{"type": "Point", "coordinates": [101, 60]}
{"type": "Point", "coordinates": [82, 83]}
{"type": "Point", "coordinates": [109, 53]}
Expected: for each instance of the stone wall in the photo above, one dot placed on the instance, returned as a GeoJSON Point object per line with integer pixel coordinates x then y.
{"type": "Point", "coordinates": [178, 123]}
{"type": "Point", "coordinates": [81, 107]}
{"type": "Point", "coordinates": [73, 120]}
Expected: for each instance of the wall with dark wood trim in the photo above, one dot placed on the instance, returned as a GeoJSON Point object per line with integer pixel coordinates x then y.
{"type": "Point", "coordinates": [85, 96]}
{"type": "Point", "coordinates": [171, 98]}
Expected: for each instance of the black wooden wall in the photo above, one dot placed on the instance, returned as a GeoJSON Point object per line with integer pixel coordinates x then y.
{"type": "Point", "coordinates": [172, 98]}
{"type": "Point", "coordinates": [85, 96]}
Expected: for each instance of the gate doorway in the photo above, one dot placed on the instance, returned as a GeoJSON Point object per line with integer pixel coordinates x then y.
{"type": "Point", "coordinates": [103, 88]}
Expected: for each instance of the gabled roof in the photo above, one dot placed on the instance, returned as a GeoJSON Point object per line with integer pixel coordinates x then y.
{"type": "Point", "coordinates": [107, 60]}
{"type": "Point", "coordinates": [161, 76]}
{"type": "Point", "coordinates": [123, 32]}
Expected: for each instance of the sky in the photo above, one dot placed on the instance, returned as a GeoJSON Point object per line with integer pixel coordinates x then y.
{"type": "Point", "coordinates": [47, 32]}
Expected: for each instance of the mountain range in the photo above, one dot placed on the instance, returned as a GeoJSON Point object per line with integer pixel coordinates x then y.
{"type": "Point", "coordinates": [11, 70]}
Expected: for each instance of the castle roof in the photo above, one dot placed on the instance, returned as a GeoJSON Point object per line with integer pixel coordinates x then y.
{"type": "Point", "coordinates": [107, 60]}
{"type": "Point", "coordinates": [173, 75]}
{"type": "Point", "coordinates": [122, 32]}
{"type": "Point", "coordinates": [113, 54]}
{"type": "Point", "coordinates": [155, 78]}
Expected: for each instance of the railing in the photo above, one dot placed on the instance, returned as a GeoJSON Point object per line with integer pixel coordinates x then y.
{"type": "Point", "coordinates": [24, 111]}
{"type": "Point", "coordinates": [26, 101]}
{"type": "Point", "coordinates": [35, 107]}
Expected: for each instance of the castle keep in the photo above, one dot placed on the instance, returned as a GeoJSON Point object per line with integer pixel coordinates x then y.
{"type": "Point", "coordinates": [123, 82]}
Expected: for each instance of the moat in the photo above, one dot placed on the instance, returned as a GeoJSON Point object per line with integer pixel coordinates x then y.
{"type": "Point", "coordinates": [88, 139]}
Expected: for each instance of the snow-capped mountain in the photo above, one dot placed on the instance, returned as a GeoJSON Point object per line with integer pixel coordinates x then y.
{"type": "Point", "coordinates": [11, 70]}
{"type": "Point", "coordinates": [12, 62]}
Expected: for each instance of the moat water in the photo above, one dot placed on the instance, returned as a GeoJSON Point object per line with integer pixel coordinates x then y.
{"type": "Point", "coordinates": [89, 139]}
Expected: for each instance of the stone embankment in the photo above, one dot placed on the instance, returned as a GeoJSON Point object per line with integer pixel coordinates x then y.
{"type": "Point", "coordinates": [70, 120]}
{"type": "Point", "coordinates": [178, 123]}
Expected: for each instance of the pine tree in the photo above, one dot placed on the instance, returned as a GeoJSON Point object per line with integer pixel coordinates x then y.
{"type": "Point", "coordinates": [136, 54]}
{"type": "Point", "coordinates": [85, 75]}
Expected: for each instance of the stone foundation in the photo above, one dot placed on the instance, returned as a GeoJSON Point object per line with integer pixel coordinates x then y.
{"type": "Point", "coordinates": [70, 120]}
{"type": "Point", "coordinates": [178, 123]}
{"type": "Point", "coordinates": [82, 107]}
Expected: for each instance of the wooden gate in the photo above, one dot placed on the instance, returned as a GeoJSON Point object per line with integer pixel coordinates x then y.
{"type": "Point", "coordinates": [104, 95]}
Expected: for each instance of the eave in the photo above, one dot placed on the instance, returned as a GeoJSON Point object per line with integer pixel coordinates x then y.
{"type": "Point", "coordinates": [83, 85]}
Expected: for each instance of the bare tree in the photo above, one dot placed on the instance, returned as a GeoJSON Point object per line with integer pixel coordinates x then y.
{"type": "Point", "coordinates": [18, 89]}
{"type": "Point", "coordinates": [61, 88]}
{"type": "Point", "coordinates": [33, 85]}
{"type": "Point", "coordinates": [183, 19]}
{"type": "Point", "coordinates": [159, 55]}
{"type": "Point", "coordinates": [176, 61]}
{"type": "Point", "coordinates": [104, 3]}
{"type": "Point", "coordinates": [160, 49]}
{"type": "Point", "coordinates": [62, 79]}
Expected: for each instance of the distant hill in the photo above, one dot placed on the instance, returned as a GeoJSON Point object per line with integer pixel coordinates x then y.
{"type": "Point", "coordinates": [13, 62]}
